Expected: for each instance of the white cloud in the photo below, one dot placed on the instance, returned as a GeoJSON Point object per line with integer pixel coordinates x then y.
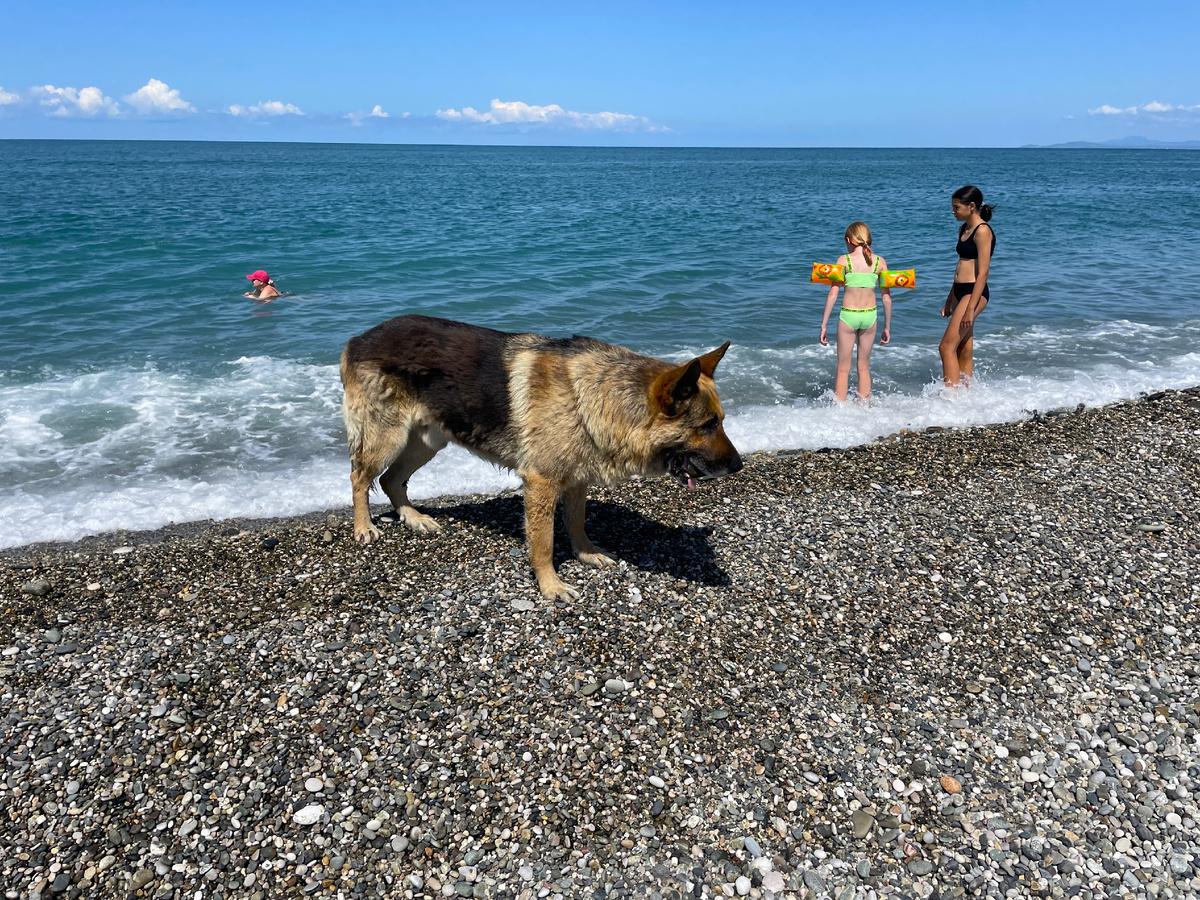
{"type": "Point", "coordinates": [508, 112]}
{"type": "Point", "coordinates": [157, 97]}
{"type": "Point", "coordinates": [377, 112]}
{"type": "Point", "coordinates": [1152, 108]}
{"type": "Point", "coordinates": [69, 101]}
{"type": "Point", "coordinates": [7, 98]}
{"type": "Point", "coordinates": [266, 108]}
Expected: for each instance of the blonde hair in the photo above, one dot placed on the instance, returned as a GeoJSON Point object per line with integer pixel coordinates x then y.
{"type": "Point", "coordinates": [858, 234]}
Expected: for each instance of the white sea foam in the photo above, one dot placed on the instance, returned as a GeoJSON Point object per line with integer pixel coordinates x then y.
{"type": "Point", "coordinates": [135, 449]}
{"type": "Point", "coordinates": [809, 425]}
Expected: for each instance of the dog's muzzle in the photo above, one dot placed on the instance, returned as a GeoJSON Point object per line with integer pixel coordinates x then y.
{"type": "Point", "coordinates": [688, 467]}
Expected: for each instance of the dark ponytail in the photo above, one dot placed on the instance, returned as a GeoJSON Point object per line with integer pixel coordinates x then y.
{"type": "Point", "coordinates": [968, 193]}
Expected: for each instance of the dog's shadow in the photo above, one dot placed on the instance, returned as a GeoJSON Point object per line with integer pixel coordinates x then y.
{"type": "Point", "coordinates": [681, 552]}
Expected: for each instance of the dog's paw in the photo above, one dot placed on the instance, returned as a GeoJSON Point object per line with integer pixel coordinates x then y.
{"type": "Point", "coordinates": [557, 589]}
{"type": "Point", "coordinates": [597, 558]}
{"type": "Point", "coordinates": [367, 535]}
{"type": "Point", "coordinates": [421, 523]}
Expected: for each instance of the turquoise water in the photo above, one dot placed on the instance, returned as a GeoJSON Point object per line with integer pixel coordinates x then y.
{"type": "Point", "coordinates": [137, 385]}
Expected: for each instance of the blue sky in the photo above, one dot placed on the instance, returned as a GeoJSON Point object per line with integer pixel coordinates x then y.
{"type": "Point", "coordinates": [697, 74]}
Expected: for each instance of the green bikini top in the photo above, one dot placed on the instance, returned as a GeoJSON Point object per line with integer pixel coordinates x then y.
{"type": "Point", "coordinates": [862, 279]}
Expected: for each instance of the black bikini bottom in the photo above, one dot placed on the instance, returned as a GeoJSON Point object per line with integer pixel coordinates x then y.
{"type": "Point", "coordinates": [964, 288]}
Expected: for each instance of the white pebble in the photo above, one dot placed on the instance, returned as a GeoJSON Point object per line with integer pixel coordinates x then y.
{"type": "Point", "coordinates": [1001, 752]}
{"type": "Point", "coordinates": [945, 637]}
{"type": "Point", "coordinates": [742, 885]}
{"type": "Point", "coordinates": [309, 815]}
{"type": "Point", "coordinates": [657, 782]}
{"type": "Point", "coordinates": [313, 785]}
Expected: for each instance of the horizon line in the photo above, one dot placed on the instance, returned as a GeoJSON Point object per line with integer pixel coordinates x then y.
{"type": "Point", "coordinates": [1061, 145]}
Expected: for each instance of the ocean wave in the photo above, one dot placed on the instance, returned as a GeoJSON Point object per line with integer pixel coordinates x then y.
{"type": "Point", "coordinates": [141, 448]}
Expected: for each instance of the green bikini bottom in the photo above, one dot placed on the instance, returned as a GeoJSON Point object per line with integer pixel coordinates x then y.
{"type": "Point", "coordinates": [859, 319]}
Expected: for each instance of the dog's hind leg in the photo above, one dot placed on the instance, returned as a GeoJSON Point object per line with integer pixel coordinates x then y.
{"type": "Point", "coordinates": [374, 432]}
{"type": "Point", "coordinates": [574, 503]}
{"type": "Point", "coordinates": [422, 445]}
{"type": "Point", "coordinates": [367, 461]}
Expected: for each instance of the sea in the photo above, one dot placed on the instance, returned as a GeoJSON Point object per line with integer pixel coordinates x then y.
{"type": "Point", "coordinates": [139, 387]}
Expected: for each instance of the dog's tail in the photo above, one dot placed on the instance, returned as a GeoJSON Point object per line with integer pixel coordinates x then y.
{"type": "Point", "coordinates": [352, 404]}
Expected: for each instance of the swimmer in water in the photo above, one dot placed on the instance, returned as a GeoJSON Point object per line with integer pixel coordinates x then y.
{"type": "Point", "coordinates": [264, 288]}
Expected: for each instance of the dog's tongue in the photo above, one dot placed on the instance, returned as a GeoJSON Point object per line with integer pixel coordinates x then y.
{"type": "Point", "coordinates": [691, 483]}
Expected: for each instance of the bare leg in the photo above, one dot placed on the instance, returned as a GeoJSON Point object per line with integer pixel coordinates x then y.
{"type": "Point", "coordinates": [541, 496]}
{"type": "Point", "coordinates": [421, 447]}
{"type": "Point", "coordinates": [966, 350]}
{"type": "Point", "coordinates": [574, 501]}
{"type": "Point", "coordinates": [865, 341]}
{"type": "Point", "coordinates": [845, 349]}
{"type": "Point", "coordinates": [966, 360]}
{"type": "Point", "coordinates": [948, 348]}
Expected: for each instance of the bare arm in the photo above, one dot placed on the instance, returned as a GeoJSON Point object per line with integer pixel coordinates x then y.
{"type": "Point", "coordinates": [830, 299]}
{"type": "Point", "coordinates": [886, 296]}
{"type": "Point", "coordinates": [984, 241]}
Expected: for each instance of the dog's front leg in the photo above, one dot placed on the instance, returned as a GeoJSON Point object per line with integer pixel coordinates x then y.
{"type": "Point", "coordinates": [541, 496]}
{"type": "Point", "coordinates": [574, 503]}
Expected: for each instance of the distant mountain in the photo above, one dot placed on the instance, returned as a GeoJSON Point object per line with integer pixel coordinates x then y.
{"type": "Point", "coordinates": [1125, 143]}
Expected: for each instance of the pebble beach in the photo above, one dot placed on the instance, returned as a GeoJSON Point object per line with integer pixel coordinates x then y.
{"type": "Point", "coordinates": [954, 663]}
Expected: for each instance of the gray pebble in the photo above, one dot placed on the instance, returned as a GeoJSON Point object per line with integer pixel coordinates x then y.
{"type": "Point", "coordinates": [862, 822]}
{"type": "Point", "coordinates": [814, 882]}
{"type": "Point", "coordinates": [140, 879]}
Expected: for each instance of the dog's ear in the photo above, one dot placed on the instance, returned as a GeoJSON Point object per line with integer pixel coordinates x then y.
{"type": "Point", "coordinates": [676, 386]}
{"type": "Point", "coordinates": [708, 362]}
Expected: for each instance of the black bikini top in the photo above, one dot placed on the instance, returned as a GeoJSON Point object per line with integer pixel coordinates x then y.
{"type": "Point", "coordinates": [966, 248]}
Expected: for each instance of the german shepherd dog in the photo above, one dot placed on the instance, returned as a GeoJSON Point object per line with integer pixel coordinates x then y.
{"type": "Point", "coordinates": [562, 413]}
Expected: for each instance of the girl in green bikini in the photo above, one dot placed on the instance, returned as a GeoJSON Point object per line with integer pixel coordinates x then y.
{"type": "Point", "coordinates": [858, 319]}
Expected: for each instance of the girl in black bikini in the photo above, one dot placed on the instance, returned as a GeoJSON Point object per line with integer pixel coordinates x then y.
{"type": "Point", "coordinates": [969, 294]}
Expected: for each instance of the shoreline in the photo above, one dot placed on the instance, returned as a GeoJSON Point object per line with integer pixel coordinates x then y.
{"type": "Point", "coordinates": [961, 660]}
{"type": "Point", "coordinates": [107, 540]}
